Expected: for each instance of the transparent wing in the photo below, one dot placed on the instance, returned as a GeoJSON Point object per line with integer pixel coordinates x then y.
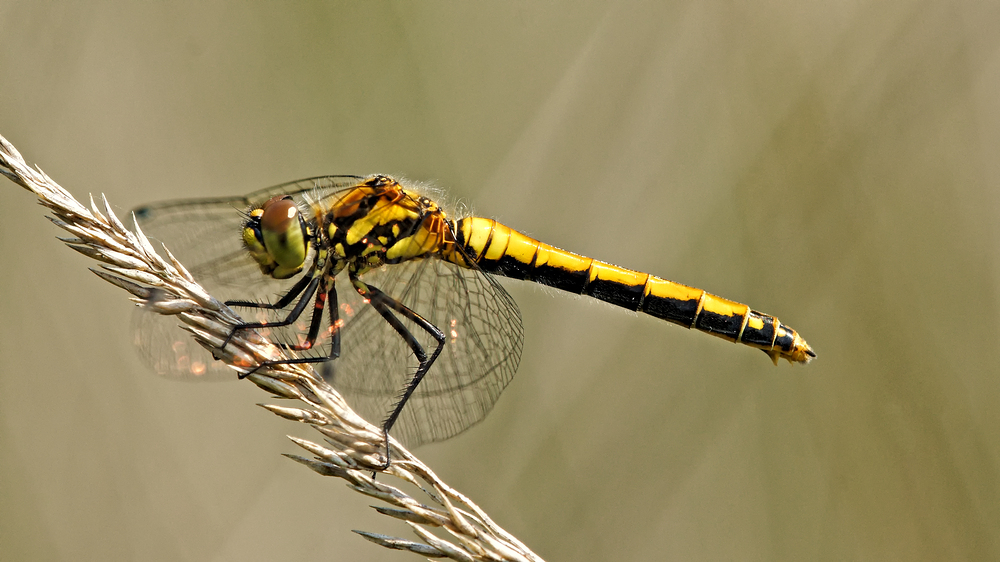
{"type": "Point", "coordinates": [483, 340]}
{"type": "Point", "coordinates": [172, 352]}
{"type": "Point", "coordinates": [480, 320]}
{"type": "Point", "coordinates": [205, 236]}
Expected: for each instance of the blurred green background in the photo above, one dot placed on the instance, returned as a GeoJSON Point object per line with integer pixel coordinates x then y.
{"type": "Point", "coordinates": [834, 164]}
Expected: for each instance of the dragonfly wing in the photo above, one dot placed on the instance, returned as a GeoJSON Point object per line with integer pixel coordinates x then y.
{"type": "Point", "coordinates": [172, 352]}
{"type": "Point", "coordinates": [483, 340]}
{"type": "Point", "coordinates": [204, 234]}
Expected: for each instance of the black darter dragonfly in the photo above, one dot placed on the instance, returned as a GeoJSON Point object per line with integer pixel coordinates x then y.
{"type": "Point", "coordinates": [429, 339]}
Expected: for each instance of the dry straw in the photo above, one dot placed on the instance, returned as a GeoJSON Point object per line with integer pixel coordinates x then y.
{"type": "Point", "coordinates": [351, 446]}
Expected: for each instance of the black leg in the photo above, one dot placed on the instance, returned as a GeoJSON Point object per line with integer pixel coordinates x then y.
{"type": "Point", "coordinates": [314, 324]}
{"type": "Point", "coordinates": [327, 370]}
{"type": "Point", "coordinates": [328, 294]}
{"type": "Point", "coordinates": [386, 306]}
{"type": "Point", "coordinates": [293, 315]}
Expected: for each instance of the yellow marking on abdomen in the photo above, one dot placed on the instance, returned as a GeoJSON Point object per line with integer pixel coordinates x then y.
{"type": "Point", "coordinates": [501, 250]}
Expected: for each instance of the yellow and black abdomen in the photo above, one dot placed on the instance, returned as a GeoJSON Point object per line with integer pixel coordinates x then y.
{"type": "Point", "coordinates": [503, 251]}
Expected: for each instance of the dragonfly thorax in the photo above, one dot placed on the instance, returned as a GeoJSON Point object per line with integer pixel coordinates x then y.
{"type": "Point", "coordinates": [380, 223]}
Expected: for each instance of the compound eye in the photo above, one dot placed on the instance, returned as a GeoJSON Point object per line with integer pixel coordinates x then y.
{"type": "Point", "coordinates": [278, 214]}
{"type": "Point", "coordinates": [283, 234]}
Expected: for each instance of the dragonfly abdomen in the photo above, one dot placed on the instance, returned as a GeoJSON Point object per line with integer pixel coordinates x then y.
{"type": "Point", "coordinates": [501, 250]}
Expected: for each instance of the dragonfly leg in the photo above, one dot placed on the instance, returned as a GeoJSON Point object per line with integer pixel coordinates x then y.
{"type": "Point", "coordinates": [326, 293]}
{"type": "Point", "coordinates": [293, 314]}
{"type": "Point", "coordinates": [327, 370]}
{"type": "Point", "coordinates": [388, 307]}
{"type": "Point", "coordinates": [317, 319]}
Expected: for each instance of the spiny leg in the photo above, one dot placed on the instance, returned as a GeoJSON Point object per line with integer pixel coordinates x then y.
{"type": "Point", "coordinates": [325, 298]}
{"type": "Point", "coordinates": [328, 291]}
{"type": "Point", "coordinates": [317, 319]}
{"type": "Point", "coordinates": [335, 325]}
{"type": "Point", "coordinates": [386, 305]}
{"type": "Point", "coordinates": [293, 314]}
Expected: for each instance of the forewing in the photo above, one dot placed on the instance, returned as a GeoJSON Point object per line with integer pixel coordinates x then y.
{"type": "Point", "coordinates": [205, 236]}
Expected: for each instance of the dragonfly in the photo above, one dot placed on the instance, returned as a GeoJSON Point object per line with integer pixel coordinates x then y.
{"type": "Point", "coordinates": [397, 297]}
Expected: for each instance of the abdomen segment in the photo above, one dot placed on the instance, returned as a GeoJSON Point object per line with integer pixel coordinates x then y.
{"type": "Point", "coordinates": [503, 251]}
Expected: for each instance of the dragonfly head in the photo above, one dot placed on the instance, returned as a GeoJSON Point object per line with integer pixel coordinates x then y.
{"type": "Point", "coordinates": [277, 237]}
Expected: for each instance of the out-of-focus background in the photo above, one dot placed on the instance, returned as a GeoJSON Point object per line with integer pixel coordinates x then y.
{"type": "Point", "coordinates": [834, 164]}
